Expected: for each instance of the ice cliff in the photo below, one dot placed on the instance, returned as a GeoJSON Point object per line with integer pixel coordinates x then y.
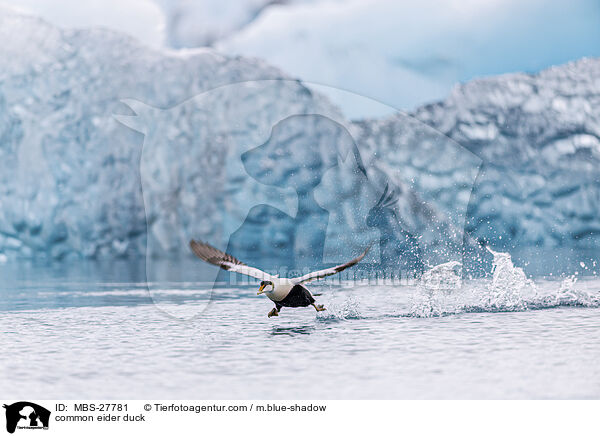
{"type": "Point", "coordinates": [538, 136]}
{"type": "Point", "coordinates": [109, 148]}
{"type": "Point", "coordinates": [70, 172]}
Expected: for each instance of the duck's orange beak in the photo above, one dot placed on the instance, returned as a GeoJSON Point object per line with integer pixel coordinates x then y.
{"type": "Point", "coordinates": [260, 290]}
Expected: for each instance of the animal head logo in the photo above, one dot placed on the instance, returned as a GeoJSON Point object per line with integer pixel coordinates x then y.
{"type": "Point", "coordinates": [26, 415]}
{"type": "Point", "coordinates": [267, 171]}
{"type": "Point", "coordinates": [200, 178]}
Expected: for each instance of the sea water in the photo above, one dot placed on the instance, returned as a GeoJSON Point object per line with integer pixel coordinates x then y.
{"type": "Point", "coordinates": [506, 335]}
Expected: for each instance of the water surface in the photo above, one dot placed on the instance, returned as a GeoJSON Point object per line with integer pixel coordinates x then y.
{"type": "Point", "coordinates": [504, 336]}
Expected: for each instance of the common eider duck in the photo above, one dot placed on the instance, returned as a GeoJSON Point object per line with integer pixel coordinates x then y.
{"type": "Point", "coordinates": [284, 292]}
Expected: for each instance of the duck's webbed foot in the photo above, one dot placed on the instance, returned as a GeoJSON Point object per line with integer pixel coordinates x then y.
{"type": "Point", "coordinates": [273, 312]}
{"type": "Point", "coordinates": [318, 307]}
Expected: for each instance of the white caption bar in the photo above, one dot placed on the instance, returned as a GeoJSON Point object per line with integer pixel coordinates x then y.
{"type": "Point", "coordinates": [159, 417]}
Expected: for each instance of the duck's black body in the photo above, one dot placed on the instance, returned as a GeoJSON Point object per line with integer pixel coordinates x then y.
{"type": "Point", "coordinates": [298, 296]}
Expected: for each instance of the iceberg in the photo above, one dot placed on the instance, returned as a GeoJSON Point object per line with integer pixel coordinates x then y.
{"type": "Point", "coordinates": [109, 148]}
{"type": "Point", "coordinates": [538, 136]}
{"type": "Point", "coordinates": [70, 171]}
{"type": "Point", "coordinates": [142, 19]}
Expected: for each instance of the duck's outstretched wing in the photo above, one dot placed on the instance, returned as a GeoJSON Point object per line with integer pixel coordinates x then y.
{"type": "Point", "coordinates": [329, 271]}
{"type": "Point", "coordinates": [213, 255]}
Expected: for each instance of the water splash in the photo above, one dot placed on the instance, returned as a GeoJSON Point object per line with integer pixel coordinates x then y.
{"type": "Point", "coordinates": [436, 292]}
{"type": "Point", "coordinates": [442, 292]}
{"type": "Point", "coordinates": [569, 294]}
{"type": "Point", "coordinates": [510, 288]}
{"type": "Point", "coordinates": [443, 277]}
{"type": "Point", "coordinates": [349, 308]}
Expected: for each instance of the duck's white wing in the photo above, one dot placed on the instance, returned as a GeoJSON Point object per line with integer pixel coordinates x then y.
{"type": "Point", "coordinates": [329, 271]}
{"type": "Point", "coordinates": [213, 255]}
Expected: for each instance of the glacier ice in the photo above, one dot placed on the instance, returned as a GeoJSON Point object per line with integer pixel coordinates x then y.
{"type": "Point", "coordinates": [109, 148]}
{"type": "Point", "coordinates": [538, 136]}
{"type": "Point", "coordinates": [78, 182]}
{"type": "Point", "coordinates": [142, 19]}
{"type": "Point", "coordinates": [70, 170]}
